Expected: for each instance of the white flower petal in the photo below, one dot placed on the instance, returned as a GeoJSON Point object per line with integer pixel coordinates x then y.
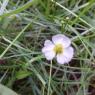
{"type": "Point", "coordinates": [61, 59]}
{"type": "Point", "coordinates": [61, 39]}
{"type": "Point", "coordinates": [57, 38]}
{"type": "Point", "coordinates": [48, 51]}
{"type": "Point", "coordinates": [47, 43]}
{"type": "Point", "coordinates": [68, 53]}
{"type": "Point", "coordinates": [66, 56]}
{"type": "Point", "coordinates": [47, 48]}
{"type": "Point", "coordinates": [49, 55]}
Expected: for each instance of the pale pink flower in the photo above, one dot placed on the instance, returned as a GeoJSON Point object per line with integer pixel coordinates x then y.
{"type": "Point", "coordinates": [59, 48]}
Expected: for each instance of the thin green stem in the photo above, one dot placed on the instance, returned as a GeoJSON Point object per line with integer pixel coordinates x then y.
{"type": "Point", "coordinates": [49, 93]}
{"type": "Point", "coordinates": [4, 52]}
{"type": "Point", "coordinates": [43, 90]}
{"type": "Point", "coordinates": [48, 7]}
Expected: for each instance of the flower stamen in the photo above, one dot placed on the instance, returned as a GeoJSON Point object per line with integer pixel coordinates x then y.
{"type": "Point", "coordinates": [58, 49]}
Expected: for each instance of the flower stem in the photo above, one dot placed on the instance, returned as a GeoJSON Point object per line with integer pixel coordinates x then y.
{"type": "Point", "coordinates": [43, 90]}
{"type": "Point", "coordinates": [48, 93]}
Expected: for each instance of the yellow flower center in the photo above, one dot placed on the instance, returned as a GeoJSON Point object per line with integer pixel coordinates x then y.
{"type": "Point", "coordinates": [58, 49]}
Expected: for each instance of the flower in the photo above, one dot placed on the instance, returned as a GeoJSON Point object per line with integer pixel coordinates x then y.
{"type": "Point", "coordinates": [59, 48]}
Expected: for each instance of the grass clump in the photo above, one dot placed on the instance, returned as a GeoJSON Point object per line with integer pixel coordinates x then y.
{"type": "Point", "coordinates": [25, 25]}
